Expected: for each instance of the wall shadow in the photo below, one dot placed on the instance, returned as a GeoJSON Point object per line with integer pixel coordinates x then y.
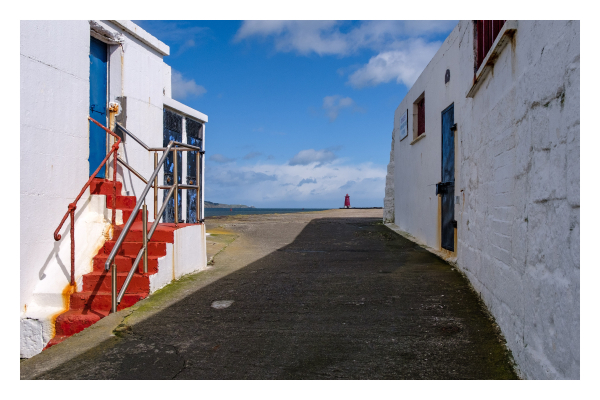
{"type": "Point", "coordinates": [347, 299]}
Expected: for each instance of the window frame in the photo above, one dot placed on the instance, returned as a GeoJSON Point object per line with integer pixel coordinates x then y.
{"type": "Point", "coordinates": [419, 122]}
{"type": "Point", "coordinates": [486, 32]}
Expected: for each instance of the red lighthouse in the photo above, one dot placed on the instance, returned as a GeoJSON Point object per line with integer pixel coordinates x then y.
{"type": "Point", "coordinates": [347, 201]}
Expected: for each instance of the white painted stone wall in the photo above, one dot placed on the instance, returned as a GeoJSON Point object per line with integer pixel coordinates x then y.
{"type": "Point", "coordinates": [186, 255]}
{"type": "Point", "coordinates": [54, 148]}
{"type": "Point", "coordinates": [517, 178]}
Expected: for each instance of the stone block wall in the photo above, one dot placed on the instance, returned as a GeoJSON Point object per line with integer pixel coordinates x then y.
{"type": "Point", "coordinates": [517, 184]}
{"type": "Point", "coordinates": [518, 229]}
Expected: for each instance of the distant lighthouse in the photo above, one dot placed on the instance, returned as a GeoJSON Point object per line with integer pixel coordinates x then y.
{"type": "Point", "coordinates": [347, 201]}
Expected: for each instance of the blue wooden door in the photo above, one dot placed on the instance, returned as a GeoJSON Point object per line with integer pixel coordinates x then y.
{"type": "Point", "coordinates": [447, 191]}
{"type": "Point", "coordinates": [98, 100]}
{"type": "Point", "coordinates": [193, 131]}
{"type": "Point", "coordinates": [172, 130]}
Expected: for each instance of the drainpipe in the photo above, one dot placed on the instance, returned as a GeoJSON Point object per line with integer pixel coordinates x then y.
{"type": "Point", "coordinates": [114, 109]}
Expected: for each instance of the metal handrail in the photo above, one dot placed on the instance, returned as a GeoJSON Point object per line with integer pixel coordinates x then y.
{"type": "Point", "coordinates": [141, 143]}
{"type": "Point", "coordinates": [150, 183]}
{"type": "Point", "coordinates": [73, 206]}
{"type": "Point", "coordinates": [143, 249]}
{"type": "Point", "coordinates": [136, 209]}
{"type": "Point", "coordinates": [186, 147]}
{"type": "Point", "coordinates": [129, 167]}
{"type": "Point", "coordinates": [145, 146]}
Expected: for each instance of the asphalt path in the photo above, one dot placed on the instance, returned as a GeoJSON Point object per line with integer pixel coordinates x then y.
{"type": "Point", "coordinates": [322, 295]}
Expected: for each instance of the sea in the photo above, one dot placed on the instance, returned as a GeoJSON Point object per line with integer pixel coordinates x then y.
{"type": "Point", "coordinates": [213, 212]}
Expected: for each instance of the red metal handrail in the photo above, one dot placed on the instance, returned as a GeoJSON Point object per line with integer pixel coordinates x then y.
{"type": "Point", "coordinates": [73, 205]}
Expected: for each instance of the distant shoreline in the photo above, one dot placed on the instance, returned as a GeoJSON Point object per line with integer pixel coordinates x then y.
{"type": "Point", "coordinates": [210, 204]}
{"type": "Point", "coordinates": [217, 212]}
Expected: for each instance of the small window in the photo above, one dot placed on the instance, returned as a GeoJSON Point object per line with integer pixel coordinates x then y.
{"type": "Point", "coordinates": [421, 117]}
{"type": "Point", "coordinates": [486, 32]}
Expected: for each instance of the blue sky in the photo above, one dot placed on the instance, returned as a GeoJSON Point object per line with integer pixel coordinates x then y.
{"type": "Point", "coordinates": [300, 112]}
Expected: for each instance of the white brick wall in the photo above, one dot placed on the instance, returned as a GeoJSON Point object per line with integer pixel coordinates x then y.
{"type": "Point", "coordinates": [517, 173]}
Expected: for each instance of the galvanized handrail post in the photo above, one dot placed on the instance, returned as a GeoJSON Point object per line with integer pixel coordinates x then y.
{"type": "Point", "coordinates": [145, 230]}
{"type": "Point", "coordinates": [198, 199]}
{"type": "Point", "coordinates": [140, 253]}
{"type": "Point", "coordinates": [176, 184]}
{"type": "Point", "coordinates": [114, 287]}
{"type": "Point", "coordinates": [114, 196]}
{"type": "Point", "coordinates": [72, 214]}
{"type": "Point", "coordinates": [155, 184]}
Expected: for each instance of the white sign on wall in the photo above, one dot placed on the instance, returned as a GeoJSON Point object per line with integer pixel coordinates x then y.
{"type": "Point", "coordinates": [403, 125]}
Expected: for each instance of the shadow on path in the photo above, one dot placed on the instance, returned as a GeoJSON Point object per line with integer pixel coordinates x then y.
{"type": "Point", "coordinates": [347, 299]}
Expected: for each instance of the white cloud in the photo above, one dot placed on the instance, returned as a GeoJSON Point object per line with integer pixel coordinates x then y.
{"type": "Point", "coordinates": [334, 37]}
{"type": "Point", "coordinates": [403, 47]}
{"type": "Point", "coordinates": [310, 156]}
{"type": "Point", "coordinates": [321, 37]}
{"type": "Point", "coordinates": [403, 65]}
{"type": "Point", "coordinates": [277, 185]}
{"type": "Point", "coordinates": [243, 177]}
{"type": "Point", "coordinates": [181, 88]}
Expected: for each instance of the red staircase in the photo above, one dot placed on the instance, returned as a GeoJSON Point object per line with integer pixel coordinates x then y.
{"type": "Point", "coordinates": [94, 301]}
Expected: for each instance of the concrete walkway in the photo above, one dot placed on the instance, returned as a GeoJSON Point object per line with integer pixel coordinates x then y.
{"type": "Point", "coordinates": [322, 295]}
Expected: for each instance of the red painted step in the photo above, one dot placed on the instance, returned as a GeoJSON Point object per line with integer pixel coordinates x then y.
{"type": "Point", "coordinates": [103, 186]}
{"type": "Point", "coordinates": [102, 282]}
{"type": "Point", "coordinates": [94, 302]}
{"type": "Point", "coordinates": [74, 321]}
{"type": "Point", "coordinates": [163, 233]}
{"type": "Point", "coordinates": [131, 249]}
{"type": "Point", "coordinates": [128, 211]}
{"type": "Point", "coordinates": [127, 202]}
{"type": "Point", "coordinates": [124, 263]}
{"type": "Point", "coordinates": [102, 301]}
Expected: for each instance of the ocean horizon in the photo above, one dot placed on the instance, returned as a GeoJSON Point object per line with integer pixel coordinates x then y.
{"type": "Point", "coordinates": [214, 212]}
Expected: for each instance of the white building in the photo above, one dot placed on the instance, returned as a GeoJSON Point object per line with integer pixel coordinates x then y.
{"type": "Point", "coordinates": [112, 71]}
{"type": "Point", "coordinates": [499, 130]}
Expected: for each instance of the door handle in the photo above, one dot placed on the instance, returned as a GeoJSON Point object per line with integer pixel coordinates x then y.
{"type": "Point", "coordinates": [442, 187]}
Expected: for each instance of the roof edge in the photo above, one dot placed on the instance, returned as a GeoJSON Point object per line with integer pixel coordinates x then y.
{"type": "Point", "coordinates": [143, 36]}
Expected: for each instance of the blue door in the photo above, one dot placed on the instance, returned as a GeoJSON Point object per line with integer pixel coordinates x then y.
{"type": "Point", "coordinates": [98, 100]}
{"type": "Point", "coordinates": [447, 192]}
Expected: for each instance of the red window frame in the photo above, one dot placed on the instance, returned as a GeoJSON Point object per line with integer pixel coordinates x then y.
{"type": "Point", "coordinates": [486, 32]}
{"type": "Point", "coordinates": [421, 117]}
